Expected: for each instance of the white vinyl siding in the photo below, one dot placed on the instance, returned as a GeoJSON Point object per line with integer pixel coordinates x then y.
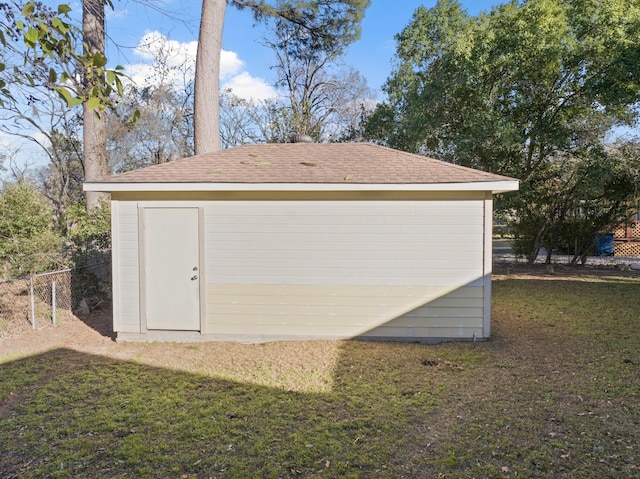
{"type": "Point", "coordinates": [336, 242]}
{"type": "Point", "coordinates": [126, 270]}
{"type": "Point", "coordinates": [342, 268]}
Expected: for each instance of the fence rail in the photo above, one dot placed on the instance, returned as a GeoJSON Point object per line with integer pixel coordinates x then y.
{"type": "Point", "coordinates": [45, 299]}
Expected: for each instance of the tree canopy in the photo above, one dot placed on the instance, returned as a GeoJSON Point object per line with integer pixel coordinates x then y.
{"type": "Point", "coordinates": [327, 25]}
{"type": "Point", "coordinates": [44, 52]}
{"type": "Point", "coordinates": [507, 90]}
{"type": "Point", "coordinates": [52, 57]}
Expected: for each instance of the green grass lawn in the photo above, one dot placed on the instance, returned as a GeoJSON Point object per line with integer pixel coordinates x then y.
{"type": "Point", "coordinates": [554, 394]}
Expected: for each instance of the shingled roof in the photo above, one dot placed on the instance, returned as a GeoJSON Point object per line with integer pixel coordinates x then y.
{"type": "Point", "coordinates": [319, 163]}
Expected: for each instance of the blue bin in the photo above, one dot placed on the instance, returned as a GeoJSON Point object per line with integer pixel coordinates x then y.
{"type": "Point", "coordinates": [604, 244]}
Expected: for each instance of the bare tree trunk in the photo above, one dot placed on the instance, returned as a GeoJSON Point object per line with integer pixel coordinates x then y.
{"type": "Point", "coordinates": [95, 128]}
{"type": "Point", "coordinates": [206, 115]}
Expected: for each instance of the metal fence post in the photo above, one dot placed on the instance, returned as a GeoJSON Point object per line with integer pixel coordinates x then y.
{"type": "Point", "coordinates": [53, 302]}
{"type": "Point", "coordinates": [33, 303]}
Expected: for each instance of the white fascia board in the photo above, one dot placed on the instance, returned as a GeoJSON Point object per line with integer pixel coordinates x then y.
{"type": "Point", "coordinates": [493, 186]}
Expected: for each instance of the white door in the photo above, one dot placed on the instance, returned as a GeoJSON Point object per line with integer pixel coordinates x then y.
{"type": "Point", "coordinates": [172, 275]}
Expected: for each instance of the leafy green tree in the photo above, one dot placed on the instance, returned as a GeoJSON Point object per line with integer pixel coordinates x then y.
{"type": "Point", "coordinates": [522, 90]}
{"type": "Point", "coordinates": [508, 90]}
{"type": "Point", "coordinates": [41, 45]}
{"type": "Point", "coordinates": [88, 251]}
{"type": "Point", "coordinates": [28, 240]}
{"type": "Point", "coordinates": [567, 202]}
{"type": "Point", "coordinates": [332, 24]}
{"type": "Point", "coordinates": [89, 234]}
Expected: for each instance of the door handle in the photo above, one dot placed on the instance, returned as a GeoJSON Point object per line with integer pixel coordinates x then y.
{"type": "Point", "coordinates": [194, 277]}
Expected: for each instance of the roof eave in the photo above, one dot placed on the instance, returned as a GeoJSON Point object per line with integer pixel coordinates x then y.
{"type": "Point", "coordinates": [493, 186]}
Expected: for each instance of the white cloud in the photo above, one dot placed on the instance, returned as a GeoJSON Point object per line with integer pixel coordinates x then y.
{"type": "Point", "coordinates": [179, 60]}
{"type": "Point", "coordinates": [154, 44]}
{"type": "Point", "coordinates": [250, 88]}
{"type": "Point", "coordinates": [230, 64]}
{"type": "Point", "coordinates": [175, 61]}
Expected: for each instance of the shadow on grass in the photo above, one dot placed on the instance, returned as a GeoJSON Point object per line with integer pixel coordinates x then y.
{"type": "Point", "coordinates": [554, 394]}
{"type": "Point", "coordinates": [70, 414]}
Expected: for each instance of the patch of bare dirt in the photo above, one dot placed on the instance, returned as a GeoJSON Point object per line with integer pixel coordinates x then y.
{"type": "Point", "coordinates": [92, 333]}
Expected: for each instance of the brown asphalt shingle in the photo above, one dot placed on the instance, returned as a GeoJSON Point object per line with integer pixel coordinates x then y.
{"type": "Point", "coordinates": [307, 163]}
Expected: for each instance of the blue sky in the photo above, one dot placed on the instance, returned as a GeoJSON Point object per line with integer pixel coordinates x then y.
{"type": "Point", "coordinates": [371, 55]}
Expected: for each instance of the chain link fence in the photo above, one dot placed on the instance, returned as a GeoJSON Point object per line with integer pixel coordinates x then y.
{"type": "Point", "coordinates": [47, 299]}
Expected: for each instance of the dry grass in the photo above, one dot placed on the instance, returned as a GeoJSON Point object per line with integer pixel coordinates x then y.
{"type": "Point", "coordinates": [555, 394]}
{"type": "Point", "coordinates": [14, 308]}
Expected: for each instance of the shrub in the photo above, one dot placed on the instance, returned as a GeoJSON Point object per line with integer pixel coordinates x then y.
{"type": "Point", "coordinates": [89, 251]}
{"type": "Point", "coordinates": [28, 241]}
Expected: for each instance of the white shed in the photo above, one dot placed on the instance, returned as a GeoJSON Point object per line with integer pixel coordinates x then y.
{"type": "Point", "coordinates": [298, 241]}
